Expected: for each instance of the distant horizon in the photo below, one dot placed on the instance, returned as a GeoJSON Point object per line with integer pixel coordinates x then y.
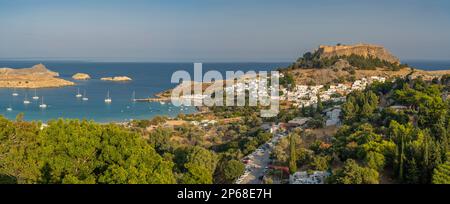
{"type": "Point", "coordinates": [133, 60]}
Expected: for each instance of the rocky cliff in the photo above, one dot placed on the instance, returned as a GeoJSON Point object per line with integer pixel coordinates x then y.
{"type": "Point", "coordinates": [365, 50]}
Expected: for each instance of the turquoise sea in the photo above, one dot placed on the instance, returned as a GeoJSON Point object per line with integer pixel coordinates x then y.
{"type": "Point", "coordinates": [148, 79]}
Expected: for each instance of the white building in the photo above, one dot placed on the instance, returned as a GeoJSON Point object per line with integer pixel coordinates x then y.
{"type": "Point", "coordinates": [333, 117]}
{"type": "Point", "coordinates": [302, 177]}
{"type": "Point", "coordinates": [299, 121]}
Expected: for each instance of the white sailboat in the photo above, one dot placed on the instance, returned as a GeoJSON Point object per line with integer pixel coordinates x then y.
{"type": "Point", "coordinates": [26, 101]}
{"type": "Point", "coordinates": [43, 105]}
{"type": "Point", "coordinates": [133, 97]}
{"type": "Point", "coordinates": [35, 97]}
{"type": "Point", "coordinates": [15, 92]}
{"type": "Point", "coordinates": [78, 93]}
{"type": "Point", "coordinates": [108, 99]}
{"type": "Point", "coordinates": [85, 98]}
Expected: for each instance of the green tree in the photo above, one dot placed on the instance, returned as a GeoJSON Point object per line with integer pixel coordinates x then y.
{"type": "Point", "coordinates": [321, 163]}
{"type": "Point", "coordinates": [352, 173]}
{"type": "Point", "coordinates": [319, 104]}
{"type": "Point", "coordinates": [292, 154]}
{"type": "Point", "coordinates": [69, 151]}
{"type": "Point", "coordinates": [228, 171]}
{"type": "Point", "coordinates": [200, 166]}
{"type": "Point", "coordinates": [375, 160]}
{"type": "Point", "coordinates": [441, 174]}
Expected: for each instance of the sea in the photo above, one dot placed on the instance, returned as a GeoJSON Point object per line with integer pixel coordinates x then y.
{"type": "Point", "coordinates": [148, 79]}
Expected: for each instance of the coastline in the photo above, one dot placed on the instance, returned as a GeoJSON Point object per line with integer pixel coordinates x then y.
{"type": "Point", "coordinates": [97, 91]}
{"type": "Point", "coordinates": [47, 83]}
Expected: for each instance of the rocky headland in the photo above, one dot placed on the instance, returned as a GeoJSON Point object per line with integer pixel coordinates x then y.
{"type": "Point", "coordinates": [37, 76]}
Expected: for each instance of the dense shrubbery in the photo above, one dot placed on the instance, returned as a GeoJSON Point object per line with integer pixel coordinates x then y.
{"type": "Point", "coordinates": [410, 142]}
{"type": "Point", "coordinates": [441, 173]}
{"type": "Point", "coordinates": [69, 151]}
{"type": "Point", "coordinates": [352, 173]}
{"type": "Point", "coordinates": [72, 151]}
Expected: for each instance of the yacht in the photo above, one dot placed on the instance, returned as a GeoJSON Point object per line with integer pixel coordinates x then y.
{"type": "Point", "coordinates": [42, 105]}
{"type": "Point", "coordinates": [85, 98]}
{"type": "Point", "coordinates": [35, 97]}
{"type": "Point", "coordinates": [26, 101]}
{"type": "Point", "coordinates": [108, 99]}
{"type": "Point", "coordinates": [78, 93]}
{"type": "Point", "coordinates": [133, 97]}
{"type": "Point", "coordinates": [15, 93]}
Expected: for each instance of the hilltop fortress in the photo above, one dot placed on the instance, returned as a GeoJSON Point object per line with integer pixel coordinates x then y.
{"type": "Point", "coordinates": [347, 63]}
{"type": "Point", "coordinates": [365, 50]}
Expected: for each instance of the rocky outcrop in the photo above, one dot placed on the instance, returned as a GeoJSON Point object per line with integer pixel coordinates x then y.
{"type": "Point", "coordinates": [37, 76]}
{"type": "Point", "coordinates": [81, 76]}
{"type": "Point", "coordinates": [342, 64]}
{"type": "Point", "coordinates": [365, 50]}
{"type": "Point", "coordinates": [116, 78]}
{"type": "Point", "coordinates": [37, 70]}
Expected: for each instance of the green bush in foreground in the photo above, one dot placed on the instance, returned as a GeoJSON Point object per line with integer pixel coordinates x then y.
{"type": "Point", "coordinates": [69, 151]}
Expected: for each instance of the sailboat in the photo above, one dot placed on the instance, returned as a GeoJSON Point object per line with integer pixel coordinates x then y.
{"type": "Point", "coordinates": [85, 98]}
{"type": "Point", "coordinates": [26, 101]}
{"type": "Point", "coordinates": [133, 97]}
{"type": "Point", "coordinates": [15, 92]}
{"type": "Point", "coordinates": [108, 99]}
{"type": "Point", "coordinates": [35, 97]}
{"type": "Point", "coordinates": [42, 105]}
{"type": "Point", "coordinates": [78, 93]}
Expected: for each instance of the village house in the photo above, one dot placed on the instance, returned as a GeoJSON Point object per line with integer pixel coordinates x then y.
{"type": "Point", "coordinates": [303, 177]}
{"type": "Point", "coordinates": [299, 121]}
{"type": "Point", "coordinates": [333, 116]}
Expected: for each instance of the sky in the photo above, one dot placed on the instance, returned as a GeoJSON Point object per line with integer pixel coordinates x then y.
{"type": "Point", "coordinates": [219, 30]}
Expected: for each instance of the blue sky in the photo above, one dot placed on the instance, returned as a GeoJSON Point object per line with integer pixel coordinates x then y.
{"type": "Point", "coordinates": [218, 30]}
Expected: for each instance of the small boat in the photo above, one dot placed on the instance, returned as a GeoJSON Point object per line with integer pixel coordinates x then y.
{"type": "Point", "coordinates": [42, 105]}
{"type": "Point", "coordinates": [26, 101]}
{"type": "Point", "coordinates": [133, 97]}
{"type": "Point", "coordinates": [85, 98]}
{"type": "Point", "coordinates": [35, 97]}
{"type": "Point", "coordinates": [108, 99]}
{"type": "Point", "coordinates": [9, 109]}
{"type": "Point", "coordinates": [162, 102]}
{"type": "Point", "coordinates": [78, 93]}
{"type": "Point", "coordinates": [15, 93]}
